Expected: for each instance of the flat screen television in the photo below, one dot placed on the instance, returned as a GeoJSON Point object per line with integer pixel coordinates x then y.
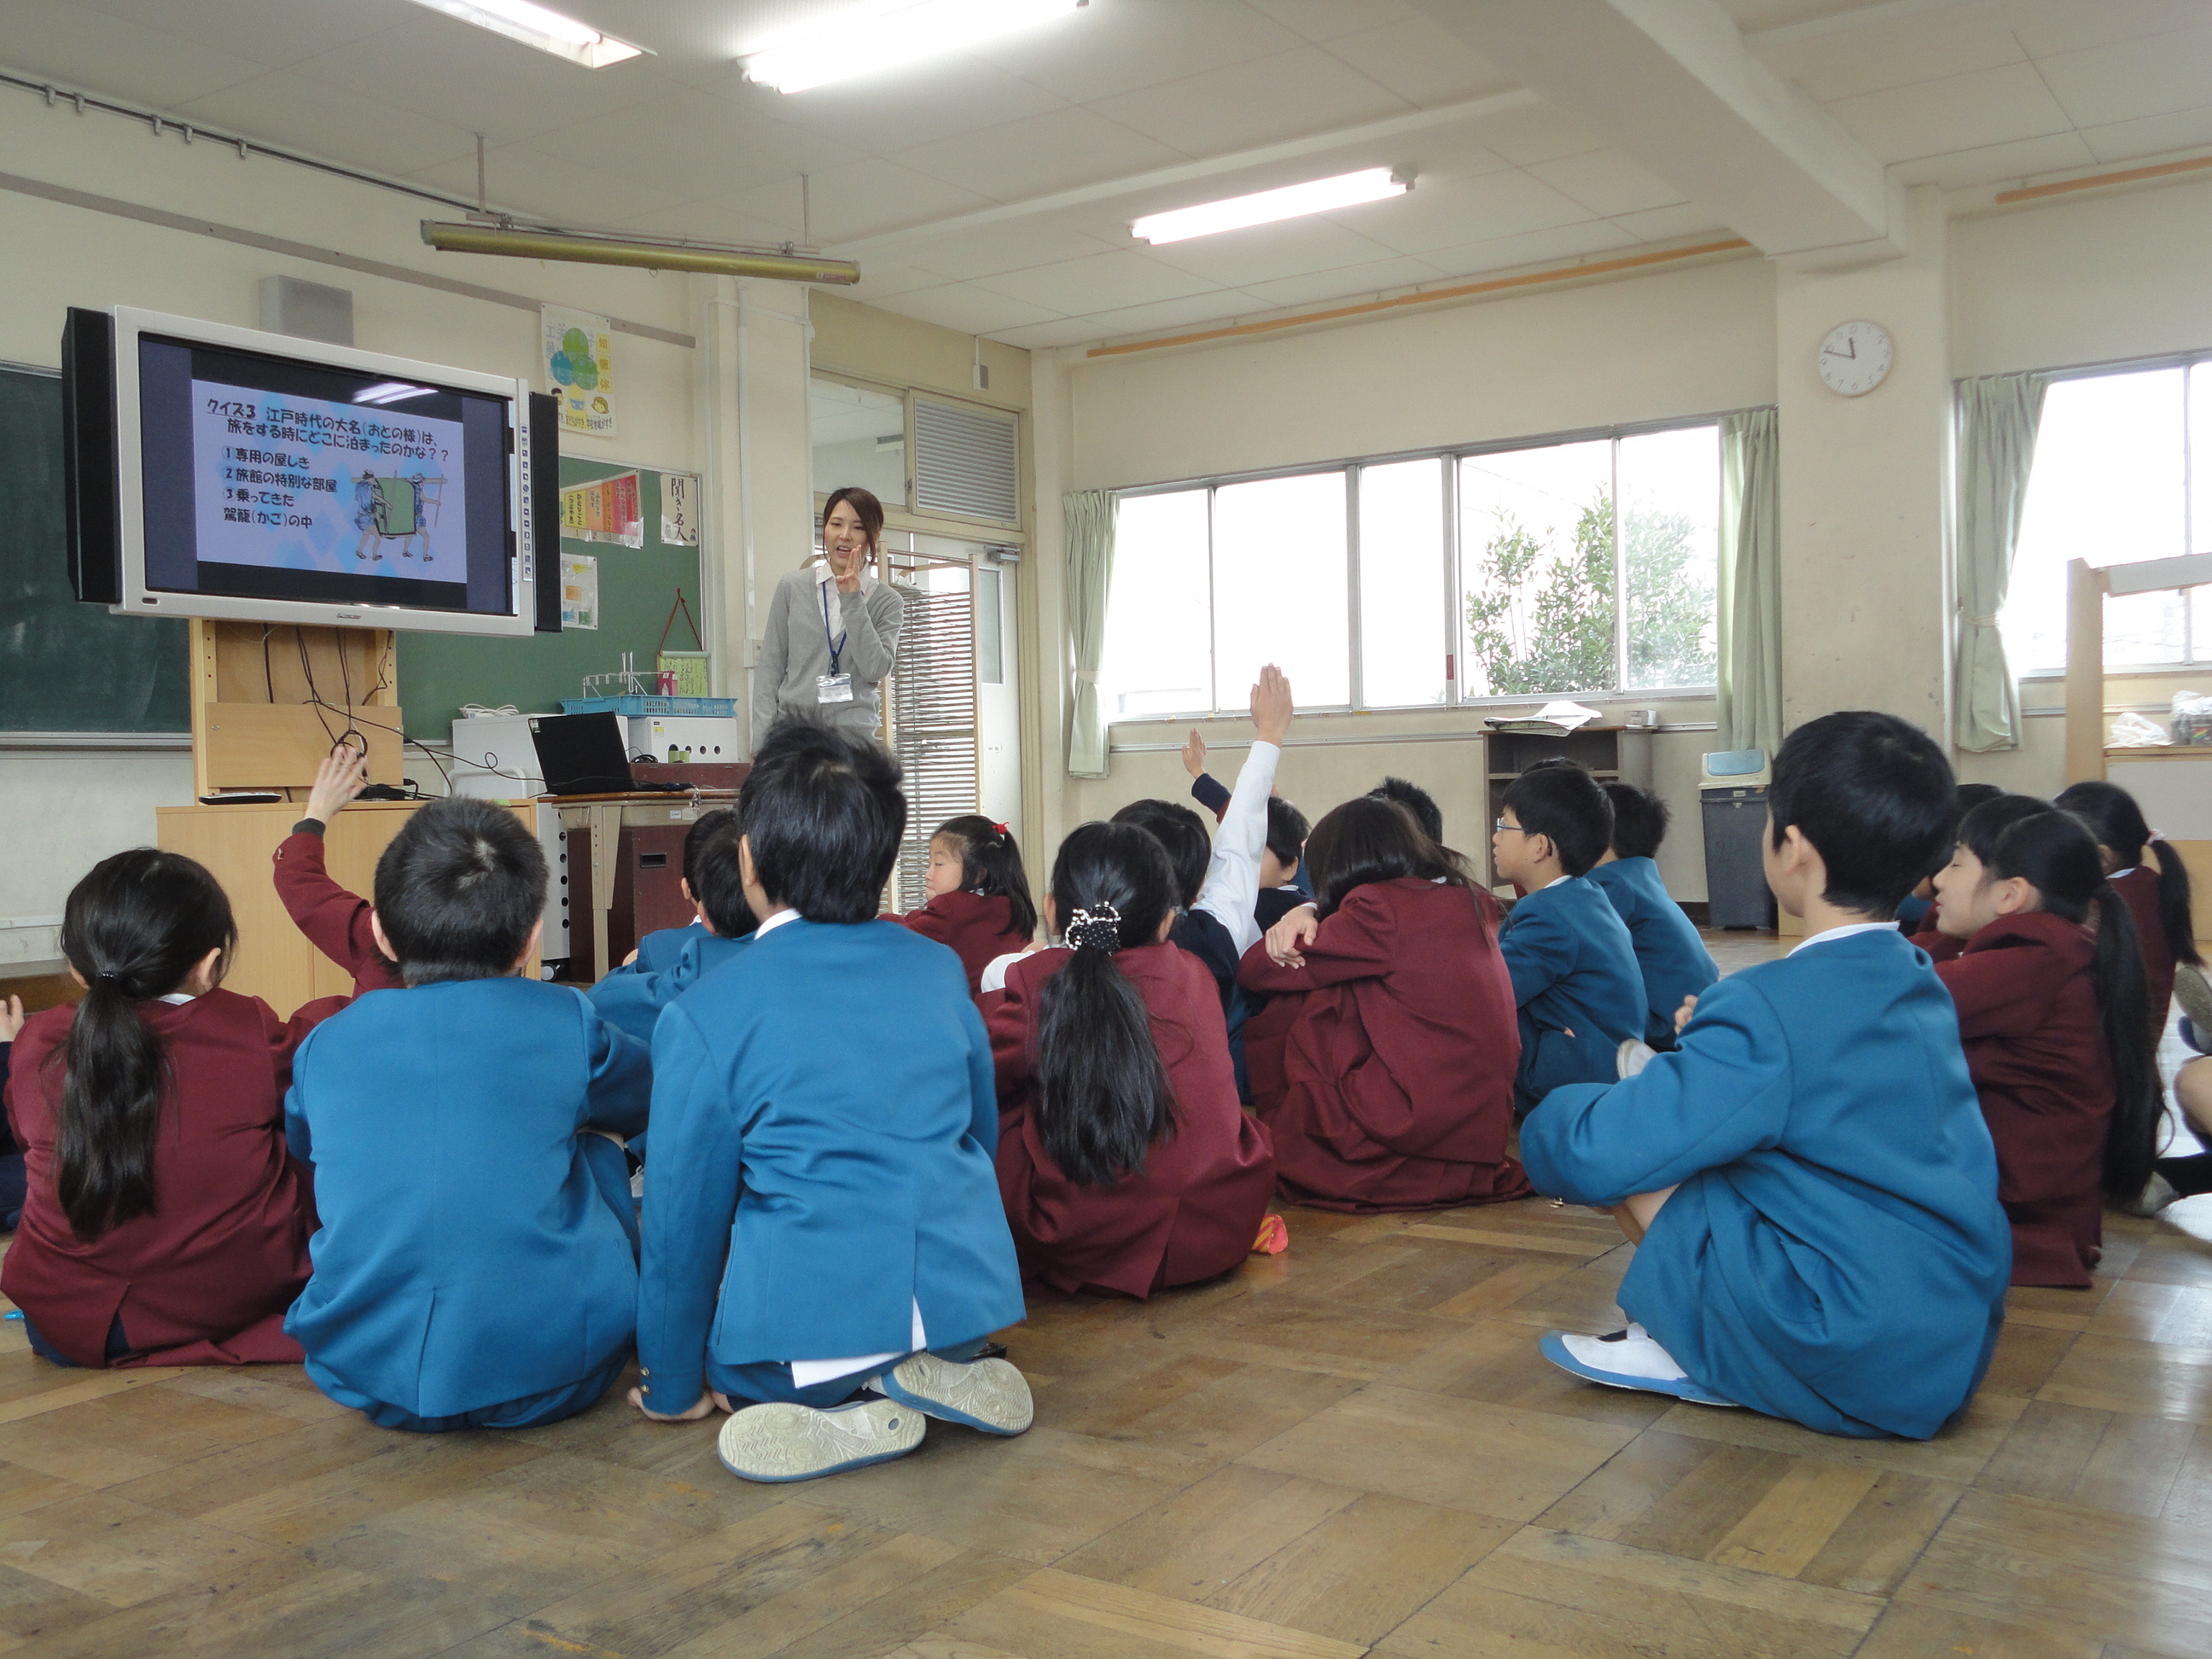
{"type": "Point", "coordinates": [227, 473]}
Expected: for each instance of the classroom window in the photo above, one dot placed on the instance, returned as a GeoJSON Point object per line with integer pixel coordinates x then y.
{"type": "Point", "coordinates": [858, 437]}
{"type": "Point", "coordinates": [1374, 591]}
{"type": "Point", "coordinates": [2122, 474]}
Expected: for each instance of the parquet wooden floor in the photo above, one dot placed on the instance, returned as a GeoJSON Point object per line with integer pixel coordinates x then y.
{"type": "Point", "coordinates": [1350, 1449]}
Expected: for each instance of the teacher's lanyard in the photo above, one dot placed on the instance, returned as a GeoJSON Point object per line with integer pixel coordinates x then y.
{"type": "Point", "coordinates": [836, 646]}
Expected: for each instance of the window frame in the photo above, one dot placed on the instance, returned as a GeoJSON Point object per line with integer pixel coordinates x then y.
{"type": "Point", "coordinates": [1449, 457]}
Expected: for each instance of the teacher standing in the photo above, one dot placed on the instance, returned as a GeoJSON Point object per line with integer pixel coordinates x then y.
{"type": "Point", "coordinates": [833, 628]}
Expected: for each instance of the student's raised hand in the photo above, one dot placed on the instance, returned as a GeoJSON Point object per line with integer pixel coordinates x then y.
{"type": "Point", "coordinates": [11, 1018]}
{"type": "Point", "coordinates": [1193, 754]}
{"type": "Point", "coordinates": [342, 775]}
{"type": "Point", "coordinates": [1287, 939]}
{"type": "Point", "coordinates": [1271, 706]}
{"type": "Point", "coordinates": [707, 1404]}
{"type": "Point", "coordinates": [1682, 1014]}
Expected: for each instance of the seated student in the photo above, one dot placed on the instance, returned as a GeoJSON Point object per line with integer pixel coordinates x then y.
{"type": "Point", "coordinates": [475, 1267]}
{"type": "Point", "coordinates": [1126, 1163]}
{"type": "Point", "coordinates": [2189, 1174]}
{"type": "Point", "coordinates": [978, 901]}
{"type": "Point", "coordinates": [1286, 833]}
{"type": "Point", "coordinates": [1416, 800]}
{"type": "Point", "coordinates": [1384, 1062]}
{"type": "Point", "coordinates": [1916, 911]}
{"type": "Point", "coordinates": [672, 960]}
{"type": "Point", "coordinates": [1673, 959]}
{"type": "Point", "coordinates": [11, 1164]}
{"type": "Point", "coordinates": [336, 922]}
{"type": "Point", "coordinates": [1808, 1179]}
{"type": "Point", "coordinates": [164, 1222]}
{"type": "Point", "coordinates": [2049, 1004]}
{"type": "Point", "coordinates": [1218, 882]}
{"type": "Point", "coordinates": [1575, 973]}
{"type": "Point", "coordinates": [824, 1121]}
{"type": "Point", "coordinates": [2158, 900]}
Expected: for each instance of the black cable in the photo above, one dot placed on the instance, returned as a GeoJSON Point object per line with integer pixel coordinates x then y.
{"type": "Point", "coordinates": [315, 701]}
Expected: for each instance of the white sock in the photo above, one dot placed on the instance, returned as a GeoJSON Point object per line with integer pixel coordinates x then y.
{"type": "Point", "coordinates": [1631, 1353]}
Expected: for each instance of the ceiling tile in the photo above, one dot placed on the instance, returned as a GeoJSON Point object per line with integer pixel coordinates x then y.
{"type": "Point", "coordinates": [2055, 152]}
{"type": "Point", "coordinates": [532, 181]}
{"type": "Point", "coordinates": [1538, 133]}
{"type": "Point", "coordinates": [720, 147]}
{"type": "Point", "coordinates": [1110, 48]}
{"type": "Point", "coordinates": [1260, 253]}
{"type": "Point", "coordinates": [1420, 61]}
{"type": "Point", "coordinates": [2132, 79]}
{"type": "Point", "coordinates": [1606, 183]}
{"type": "Point", "coordinates": [284, 109]}
{"type": "Point", "coordinates": [104, 54]}
{"type": "Point", "coordinates": [931, 100]}
{"type": "Point", "coordinates": [1360, 282]}
{"type": "Point", "coordinates": [1040, 155]}
{"type": "Point", "coordinates": [1325, 19]}
{"type": "Point", "coordinates": [1959, 111]}
{"type": "Point", "coordinates": [989, 250]}
{"type": "Point", "coordinates": [878, 284]}
{"type": "Point", "coordinates": [1217, 307]}
{"type": "Point", "coordinates": [1452, 212]}
{"type": "Point", "coordinates": [706, 221]}
{"type": "Point", "coordinates": [1534, 248]}
{"type": "Point", "coordinates": [1919, 47]}
{"type": "Point", "coordinates": [2154, 135]}
{"type": "Point", "coordinates": [1246, 104]}
{"type": "Point", "coordinates": [856, 199]}
{"type": "Point", "coordinates": [2045, 27]}
{"type": "Point", "coordinates": [1043, 336]}
{"type": "Point", "coordinates": [1099, 282]}
{"type": "Point", "coordinates": [273, 32]}
{"type": "Point", "coordinates": [1668, 224]}
{"type": "Point", "coordinates": [969, 309]}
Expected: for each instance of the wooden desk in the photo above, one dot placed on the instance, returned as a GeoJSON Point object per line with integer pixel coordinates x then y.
{"type": "Point", "coordinates": [237, 842]}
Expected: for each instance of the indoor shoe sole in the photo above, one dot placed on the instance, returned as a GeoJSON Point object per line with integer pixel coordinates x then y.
{"type": "Point", "coordinates": [989, 1395]}
{"type": "Point", "coordinates": [780, 1443]}
{"type": "Point", "coordinates": [1681, 1387]}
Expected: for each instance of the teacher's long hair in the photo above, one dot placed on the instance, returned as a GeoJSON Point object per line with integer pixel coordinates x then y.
{"type": "Point", "coordinates": [1103, 1096]}
{"type": "Point", "coordinates": [133, 929]}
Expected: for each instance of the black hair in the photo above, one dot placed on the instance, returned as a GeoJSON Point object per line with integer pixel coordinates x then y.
{"type": "Point", "coordinates": [1287, 830]}
{"type": "Point", "coordinates": [717, 874]}
{"type": "Point", "coordinates": [823, 814]}
{"type": "Point", "coordinates": [1416, 800]}
{"type": "Point", "coordinates": [2118, 824]}
{"type": "Point", "coordinates": [1368, 839]}
{"type": "Point", "coordinates": [1559, 800]}
{"type": "Point", "coordinates": [2055, 853]}
{"type": "Point", "coordinates": [134, 928]}
{"type": "Point", "coordinates": [696, 839]}
{"type": "Point", "coordinates": [1963, 800]}
{"type": "Point", "coordinates": [1873, 795]}
{"type": "Point", "coordinates": [1640, 820]}
{"type": "Point", "coordinates": [866, 507]}
{"type": "Point", "coordinates": [1103, 1096]}
{"type": "Point", "coordinates": [1182, 832]}
{"type": "Point", "coordinates": [991, 862]}
{"type": "Point", "coordinates": [457, 891]}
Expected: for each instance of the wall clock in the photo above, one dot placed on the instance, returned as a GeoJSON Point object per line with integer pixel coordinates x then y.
{"type": "Point", "coordinates": [1855, 358]}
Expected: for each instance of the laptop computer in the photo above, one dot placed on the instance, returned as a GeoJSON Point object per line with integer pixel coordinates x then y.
{"type": "Point", "coordinates": [581, 754]}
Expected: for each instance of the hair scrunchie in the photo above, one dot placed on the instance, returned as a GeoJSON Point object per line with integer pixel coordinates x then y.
{"type": "Point", "coordinates": [1096, 928]}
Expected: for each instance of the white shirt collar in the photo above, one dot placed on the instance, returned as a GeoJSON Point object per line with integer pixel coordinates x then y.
{"type": "Point", "coordinates": [1554, 882]}
{"type": "Point", "coordinates": [775, 921]}
{"type": "Point", "coordinates": [1844, 932]}
{"type": "Point", "coordinates": [177, 999]}
{"type": "Point", "coordinates": [824, 575]}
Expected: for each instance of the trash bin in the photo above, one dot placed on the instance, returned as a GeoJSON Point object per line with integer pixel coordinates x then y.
{"type": "Point", "coordinates": [1732, 796]}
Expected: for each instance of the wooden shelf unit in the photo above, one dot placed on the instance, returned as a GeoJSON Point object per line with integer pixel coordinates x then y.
{"type": "Point", "coordinates": [1613, 754]}
{"type": "Point", "coordinates": [269, 701]}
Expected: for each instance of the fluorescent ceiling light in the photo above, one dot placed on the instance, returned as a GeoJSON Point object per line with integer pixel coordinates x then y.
{"type": "Point", "coordinates": [537, 26]}
{"type": "Point", "coordinates": [889, 36]}
{"type": "Point", "coordinates": [1318, 196]}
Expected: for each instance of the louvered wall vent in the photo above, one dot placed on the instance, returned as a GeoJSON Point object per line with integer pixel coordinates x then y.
{"type": "Point", "coordinates": [966, 461]}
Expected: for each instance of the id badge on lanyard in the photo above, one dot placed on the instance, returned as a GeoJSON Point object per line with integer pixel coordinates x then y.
{"type": "Point", "coordinates": [832, 687]}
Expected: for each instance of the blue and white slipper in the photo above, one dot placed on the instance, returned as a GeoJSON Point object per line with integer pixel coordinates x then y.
{"type": "Point", "coordinates": [990, 1394]}
{"type": "Point", "coordinates": [1626, 1360]}
{"type": "Point", "coordinates": [783, 1442]}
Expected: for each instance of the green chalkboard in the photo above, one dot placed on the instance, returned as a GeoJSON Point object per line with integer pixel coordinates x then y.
{"type": "Point", "coordinates": [439, 672]}
{"type": "Point", "coordinates": [66, 667]}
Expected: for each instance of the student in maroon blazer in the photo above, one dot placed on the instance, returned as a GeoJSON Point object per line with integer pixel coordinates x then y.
{"type": "Point", "coordinates": [335, 920]}
{"type": "Point", "coordinates": [2157, 898]}
{"type": "Point", "coordinates": [1385, 1071]}
{"type": "Point", "coordinates": [2050, 1015]}
{"type": "Point", "coordinates": [1125, 1161]}
{"type": "Point", "coordinates": [979, 895]}
{"type": "Point", "coordinates": [185, 1242]}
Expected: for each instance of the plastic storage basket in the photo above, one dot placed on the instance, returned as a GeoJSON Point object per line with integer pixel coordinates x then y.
{"type": "Point", "coordinates": [632, 708]}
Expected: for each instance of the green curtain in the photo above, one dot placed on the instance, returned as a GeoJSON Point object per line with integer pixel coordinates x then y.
{"type": "Point", "coordinates": [1997, 416]}
{"type": "Point", "coordinates": [1091, 515]}
{"type": "Point", "coordinates": [1749, 694]}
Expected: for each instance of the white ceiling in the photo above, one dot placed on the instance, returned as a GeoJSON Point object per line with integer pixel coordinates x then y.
{"type": "Point", "coordinates": [992, 191]}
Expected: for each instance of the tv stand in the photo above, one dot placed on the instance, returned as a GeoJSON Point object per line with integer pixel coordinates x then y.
{"type": "Point", "coordinates": [269, 701]}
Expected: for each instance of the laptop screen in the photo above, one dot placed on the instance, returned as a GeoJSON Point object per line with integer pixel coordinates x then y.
{"type": "Point", "coordinates": [581, 754]}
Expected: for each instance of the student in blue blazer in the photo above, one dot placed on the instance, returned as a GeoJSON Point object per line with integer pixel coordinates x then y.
{"type": "Point", "coordinates": [1808, 1179]}
{"type": "Point", "coordinates": [1673, 960]}
{"type": "Point", "coordinates": [670, 962]}
{"type": "Point", "coordinates": [1574, 976]}
{"type": "Point", "coordinates": [475, 1267]}
{"type": "Point", "coordinates": [825, 1249]}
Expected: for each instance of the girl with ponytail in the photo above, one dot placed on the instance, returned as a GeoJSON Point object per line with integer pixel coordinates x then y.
{"type": "Point", "coordinates": [1126, 1163]}
{"type": "Point", "coordinates": [2155, 887]}
{"type": "Point", "coordinates": [1385, 1069]}
{"type": "Point", "coordinates": [164, 1222]}
{"type": "Point", "coordinates": [2049, 992]}
{"type": "Point", "coordinates": [978, 893]}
